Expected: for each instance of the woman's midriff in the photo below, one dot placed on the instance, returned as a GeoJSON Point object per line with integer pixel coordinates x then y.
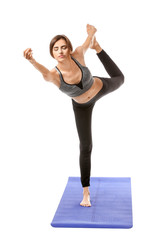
{"type": "Point", "coordinates": [87, 96]}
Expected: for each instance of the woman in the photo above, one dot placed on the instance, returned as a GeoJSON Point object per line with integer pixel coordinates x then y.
{"type": "Point", "coordinates": [72, 77]}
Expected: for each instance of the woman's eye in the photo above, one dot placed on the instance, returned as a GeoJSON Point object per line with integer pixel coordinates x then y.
{"type": "Point", "coordinates": [64, 47]}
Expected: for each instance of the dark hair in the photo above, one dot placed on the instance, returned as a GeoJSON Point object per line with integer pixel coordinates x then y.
{"type": "Point", "coordinates": [58, 37]}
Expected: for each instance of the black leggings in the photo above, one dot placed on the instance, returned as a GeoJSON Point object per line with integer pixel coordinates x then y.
{"type": "Point", "coordinates": [83, 114]}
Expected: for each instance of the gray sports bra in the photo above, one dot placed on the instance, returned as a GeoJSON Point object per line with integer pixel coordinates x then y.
{"type": "Point", "coordinates": [74, 90]}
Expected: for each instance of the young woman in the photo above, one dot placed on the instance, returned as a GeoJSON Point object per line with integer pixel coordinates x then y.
{"type": "Point", "coordinates": [73, 78]}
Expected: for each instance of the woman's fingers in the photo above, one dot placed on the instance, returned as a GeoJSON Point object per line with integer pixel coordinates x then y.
{"type": "Point", "coordinates": [25, 52]}
{"type": "Point", "coordinates": [28, 53]}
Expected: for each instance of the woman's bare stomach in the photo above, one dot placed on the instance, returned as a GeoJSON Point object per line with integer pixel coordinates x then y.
{"type": "Point", "coordinates": [87, 96]}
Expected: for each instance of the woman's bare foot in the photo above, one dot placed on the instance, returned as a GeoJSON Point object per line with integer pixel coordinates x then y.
{"type": "Point", "coordinates": [95, 45]}
{"type": "Point", "coordinates": [86, 198]}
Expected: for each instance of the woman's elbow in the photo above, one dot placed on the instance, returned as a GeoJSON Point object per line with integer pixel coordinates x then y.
{"type": "Point", "coordinates": [47, 76]}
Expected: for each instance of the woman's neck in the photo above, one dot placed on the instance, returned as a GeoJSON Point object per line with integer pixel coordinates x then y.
{"type": "Point", "coordinates": [66, 64]}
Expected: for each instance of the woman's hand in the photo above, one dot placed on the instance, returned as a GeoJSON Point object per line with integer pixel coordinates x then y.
{"type": "Point", "coordinates": [45, 72]}
{"type": "Point", "coordinates": [91, 30]}
{"type": "Point", "coordinates": [28, 54]}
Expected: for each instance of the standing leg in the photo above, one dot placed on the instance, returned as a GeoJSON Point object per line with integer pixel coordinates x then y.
{"type": "Point", "coordinates": [83, 116]}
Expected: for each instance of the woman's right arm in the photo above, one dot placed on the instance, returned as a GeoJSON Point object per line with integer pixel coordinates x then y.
{"type": "Point", "coordinates": [45, 72]}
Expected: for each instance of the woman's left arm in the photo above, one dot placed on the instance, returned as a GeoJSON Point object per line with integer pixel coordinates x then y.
{"type": "Point", "coordinates": [91, 30]}
{"type": "Point", "coordinates": [80, 51]}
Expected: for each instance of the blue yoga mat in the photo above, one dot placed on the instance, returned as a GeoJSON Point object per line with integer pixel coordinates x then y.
{"type": "Point", "coordinates": [110, 199]}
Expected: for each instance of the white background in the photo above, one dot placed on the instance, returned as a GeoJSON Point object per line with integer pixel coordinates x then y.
{"type": "Point", "coordinates": [38, 138]}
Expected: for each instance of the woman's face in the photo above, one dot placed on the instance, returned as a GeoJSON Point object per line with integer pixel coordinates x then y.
{"type": "Point", "coordinates": [60, 50]}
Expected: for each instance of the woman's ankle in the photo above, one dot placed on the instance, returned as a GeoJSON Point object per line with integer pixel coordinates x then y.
{"type": "Point", "coordinates": [85, 190]}
{"type": "Point", "coordinates": [98, 48]}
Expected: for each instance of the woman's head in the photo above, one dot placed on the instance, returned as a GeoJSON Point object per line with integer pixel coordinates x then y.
{"type": "Point", "coordinates": [56, 44]}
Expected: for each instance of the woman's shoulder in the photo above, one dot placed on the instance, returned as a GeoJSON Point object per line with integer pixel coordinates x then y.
{"type": "Point", "coordinates": [79, 55]}
{"type": "Point", "coordinates": [53, 77]}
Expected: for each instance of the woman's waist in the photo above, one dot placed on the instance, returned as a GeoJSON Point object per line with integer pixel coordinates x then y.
{"type": "Point", "coordinates": [89, 94]}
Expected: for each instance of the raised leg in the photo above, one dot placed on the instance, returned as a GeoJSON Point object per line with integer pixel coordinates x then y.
{"type": "Point", "coordinates": [116, 76]}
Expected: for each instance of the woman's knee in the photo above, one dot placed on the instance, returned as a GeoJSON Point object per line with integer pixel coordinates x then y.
{"type": "Point", "coordinates": [117, 82]}
{"type": "Point", "coordinates": [122, 79]}
{"type": "Point", "coordinates": [86, 148]}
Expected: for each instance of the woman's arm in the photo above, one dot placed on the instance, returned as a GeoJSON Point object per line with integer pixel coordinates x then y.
{"type": "Point", "coordinates": [91, 30]}
{"type": "Point", "coordinates": [80, 51]}
{"type": "Point", "coordinates": [45, 72]}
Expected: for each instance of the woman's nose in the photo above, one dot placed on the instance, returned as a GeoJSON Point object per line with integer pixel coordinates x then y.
{"type": "Point", "coordinates": [60, 50]}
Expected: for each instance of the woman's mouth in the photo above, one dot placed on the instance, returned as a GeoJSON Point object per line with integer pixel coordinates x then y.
{"type": "Point", "coordinates": [61, 56]}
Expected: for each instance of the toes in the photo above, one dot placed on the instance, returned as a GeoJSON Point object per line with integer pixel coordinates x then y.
{"type": "Point", "coordinates": [85, 204]}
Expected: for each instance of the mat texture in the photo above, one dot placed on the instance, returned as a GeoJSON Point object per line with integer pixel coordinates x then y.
{"type": "Point", "coordinates": [110, 199]}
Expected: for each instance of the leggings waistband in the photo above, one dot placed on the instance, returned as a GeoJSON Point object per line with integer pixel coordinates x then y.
{"type": "Point", "coordinates": [93, 100]}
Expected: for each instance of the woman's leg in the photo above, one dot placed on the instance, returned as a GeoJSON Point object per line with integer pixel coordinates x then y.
{"type": "Point", "coordinates": [83, 117]}
{"type": "Point", "coordinates": [116, 76]}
